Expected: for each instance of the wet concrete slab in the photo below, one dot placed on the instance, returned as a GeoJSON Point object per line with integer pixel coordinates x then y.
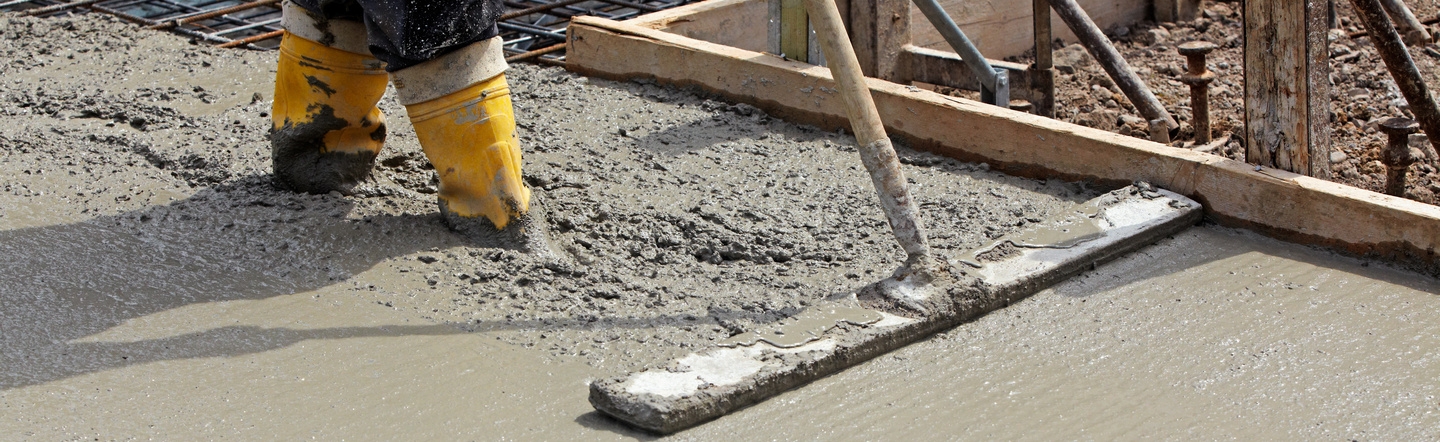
{"type": "Point", "coordinates": [1213, 334]}
{"type": "Point", "coordinates": [154, 284]}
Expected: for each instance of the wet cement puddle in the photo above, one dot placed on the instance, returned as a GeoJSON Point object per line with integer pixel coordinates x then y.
{"type": "Point", "coordinates": [808, 326]}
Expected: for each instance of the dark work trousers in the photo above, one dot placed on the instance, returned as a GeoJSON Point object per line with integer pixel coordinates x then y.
{"type": "Point", "coordinates": [404, 33]}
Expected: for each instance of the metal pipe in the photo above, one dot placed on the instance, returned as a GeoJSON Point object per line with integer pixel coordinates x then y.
{"type": "Point", "coordinates": [1100, 48]}
{"type": "Point", "coordinates": [876, 152]}
{"type": "Point", "coordinates": [181, 21]}
{"type": "Point", "coordinates": [541, 8]}
{"type": "Point", "coordinates": [632, 5]}
{"type": "Point", "coordinates": [1401, 66]}
{"type": "Point", "coordinates": [961, 44]}
{"type": "Point", "coordinates": [1417, 35]}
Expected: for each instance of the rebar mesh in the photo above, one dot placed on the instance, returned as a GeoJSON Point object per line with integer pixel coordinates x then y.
{"type": "Point", "coordinates": [533, 30]}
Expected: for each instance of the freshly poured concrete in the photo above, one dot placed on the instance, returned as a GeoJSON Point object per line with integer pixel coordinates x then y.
{"type": "Point", "coordinates": [1214, 334]}
{"type": "Point", "coordinates": [154, 285]}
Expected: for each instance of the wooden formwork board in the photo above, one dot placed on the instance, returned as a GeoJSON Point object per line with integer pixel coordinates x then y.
{"type": "Point", "coordinates": [1282, 204]}
{"type": "Point", "coordinates": [1002, 28]}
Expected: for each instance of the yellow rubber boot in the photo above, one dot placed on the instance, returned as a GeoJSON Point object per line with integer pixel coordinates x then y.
{"type": "Point", "coordinates": [469, 135]}
{"type": "Point", "coordinates": [326, 128]}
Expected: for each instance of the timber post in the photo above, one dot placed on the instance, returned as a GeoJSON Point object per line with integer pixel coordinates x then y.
{"type": "Point", "coordinates": [1287, 86]}
{"type": "Point", "coordinates": [879, 31]}
{"type": "Point", "coordinates": [1043, 70]}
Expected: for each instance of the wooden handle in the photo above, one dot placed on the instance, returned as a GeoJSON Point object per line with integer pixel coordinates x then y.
{"type": "Point", "coordinates": [876, 152]}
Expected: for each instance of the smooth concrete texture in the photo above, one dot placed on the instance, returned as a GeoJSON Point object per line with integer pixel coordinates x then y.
{"type": "Point", "coordinates": [1213, 334]}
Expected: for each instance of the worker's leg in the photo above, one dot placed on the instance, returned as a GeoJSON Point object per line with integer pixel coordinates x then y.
{"type": "Point", "coordinates": [326, 129]}
{"type": "Point", "coordinates": [448, 68]}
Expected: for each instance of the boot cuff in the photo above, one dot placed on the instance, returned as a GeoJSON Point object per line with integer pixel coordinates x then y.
{"type": "Point", "coordinates": [451, 72]}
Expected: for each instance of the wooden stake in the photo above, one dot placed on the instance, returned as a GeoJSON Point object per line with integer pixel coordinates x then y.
{"type": "Point", "coordinates": [879, 31]}
{"type": "Point", "coordinates": [1287, 86]}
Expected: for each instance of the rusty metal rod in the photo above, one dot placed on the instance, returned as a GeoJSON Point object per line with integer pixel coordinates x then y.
{"type": "Point", "coordinates": [876, 152]}
{"type": "Point", "coordinates": [58, 8]}
{"type": "Point", "coordinates": [174, 23]}
{"type": "Point", "coordinates": [628, 4]}
{"type": "Point", "coordinates": [122, 15]}
{"type": "Point", "coordinates": [1397, 156]}
{"type": "Point", "coordinates": [1104, 52]}
{"type": "Point", "coordinates": [251, 39]}
{"type": "Point", "coordinates": [535, 53]}
{"type": "Point", "coordinates": [537, 9]}
{"type": "Point", "coordinates": [1402, 68]}
{"type": "Point", "coordinates": [1198, 76]}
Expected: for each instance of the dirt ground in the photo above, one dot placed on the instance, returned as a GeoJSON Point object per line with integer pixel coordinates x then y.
{"type": "Point", "coordinates": [1362, 94]}
{"type": "Point", "coordinates": [155, 284]}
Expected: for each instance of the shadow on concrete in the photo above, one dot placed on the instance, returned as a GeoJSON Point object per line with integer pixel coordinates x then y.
{"type": "Point", "coordinates": [241, 241]}
{"type": "Point", "coordinates": [594, 420]}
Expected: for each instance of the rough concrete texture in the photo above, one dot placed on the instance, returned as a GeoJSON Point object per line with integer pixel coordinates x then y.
{"type": "Point", "coordinates": [153, 283]}
{"type": "Point", "coordinates": [849, 330]}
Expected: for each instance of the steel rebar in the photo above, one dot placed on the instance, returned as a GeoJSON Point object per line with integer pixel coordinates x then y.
{"type": "Point", "coordinates": [1104, 52]}
{"type": "Point", "coordinates": [541, 8]}
{"type": "Point", "coordinates": [1402, 68]}
{"type": "Point", "coordinates": [251, 39]}
{"type": "Point", "coordinates": [535, 53]}
{"type": "Point", "coordinates": [58, 8]}
{"type": "Point", "coordinates": [181, 21]}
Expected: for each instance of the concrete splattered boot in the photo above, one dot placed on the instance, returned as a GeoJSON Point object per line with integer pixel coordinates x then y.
{"type": "Point", "coordinates": [326, 130]}
{"type": "Point", "coordinates": [460, 106]}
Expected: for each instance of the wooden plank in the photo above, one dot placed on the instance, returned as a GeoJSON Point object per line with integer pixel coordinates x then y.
{"type": "Point", "coordinates": [1287, 86]}
{"type": "Point", "coordinates": [879, 31]}
{"type": "Point", "coordinates": [731, 22]}
{"type": "Point", "coordinates": [1166, 10]}
{"type": "Point", "coordinates": [1282, 204]}
{"type": "Point", "coordinates": [1000, 27]}
{"type": "Point", "coordinates": [794, 30]}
